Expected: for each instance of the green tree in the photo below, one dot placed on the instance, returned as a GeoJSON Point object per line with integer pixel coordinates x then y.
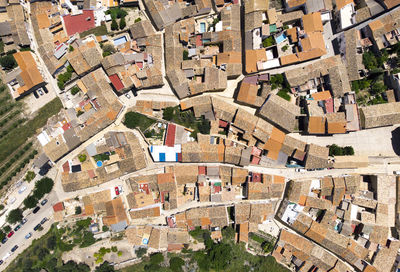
{"type": "Point", "coordinates": [104, 228]}
{"type": "Point", "coordinates": [51, 242]}
{"type": "Point", "coordinates": [104, 267]}
{"type": "Point", "coordinates": [176, 263]}
{"type": "Point", "coordinates": [156, 258]}
{"type": "Point", "coordinates": [168, 113]}
{"type": "Point", "coordinates": [30, 202]}
{"type": "Point", "coordinates": [2, 235]}
{"type": "Point", "coordinates": [1, 207]}
{"type": "Point", "coordinates": [114, 25]}
{"type": "Point", "coordinates": [73, 266]}
{"type": "Point", "coordinates": [87, 239]}
{"type": "Point", "coordinates": [185, 55]}
{"type": "Point", "coordinates": [114, 249]}
{"type": "Point", "coordinates": [30, 175]}
{"type": "Point", "coordinates": [348, 150]}
{"type": "Point", "coordinates": [75, 90]}
{"type": "Point", "coordinates": [335, 150]}
{"type": "Point", "coordinates": [42, 187]}
{"type": "Point", "coordinates": [122, 23]}
{"type": "Point", "coordinates": [137, 20]}
{"type": "Point", "coordinates": [268, 41]}
{"type": "Point", "coordinates": [7, 228]}
{"type": "Point", "coordinates": [369, 60]}
{"type": "Point", "coordinates": [140, 252]}
{"type": "Point", "coordinates": [70, 48]}
{"type": "Point", "coordinates": [82, 157]}
{"type": "Point", "coordinates": [8, 62]}
{"type": "Point", "coordinates": [220, 256]}
{"type": "Point", "coordinates": [78, 210]}
{"type": "Point", "coordinates": [14, 216]}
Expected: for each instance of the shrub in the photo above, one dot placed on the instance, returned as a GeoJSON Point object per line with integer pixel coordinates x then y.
{"type": "Point", "coordinates": [285, 47]}
{"type": "Point", "coordinates": [105, 228]}
{"type": "Point", "coordinates": [140, 252]}
{"type": "Point", "coordinates": [268, 41]}
{"type": "Point", "coordinates": [114, 25]}
{"type": "Point", "coordinates": [70, 48]}
{"type": "Point", "coordinates": [137, 20]}
{"type": "Point", "coordinates": [122, 23]}
{"type": "Point", "coordinates": [82, 157]}
{"type": "Point", "coordinates": [114, 249]}
{"type": "Point", "coordinates": [176, 263]}
{"type": "Point", "coordinates": [75, 90]}
{"type": "Point", "coordinates": [78, 210]}
{"type": "Point", "coordinates": [8, 62]}
{"type": "Point", "coordinates": [30, 175]}
{"type": "Point", "coordinates": [185, 55]}
{"type": "Point", "coordinates": [156, 258]}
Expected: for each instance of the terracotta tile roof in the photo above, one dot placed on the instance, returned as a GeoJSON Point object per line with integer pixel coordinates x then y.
{"type": "Point", "coordinates": [316, 124]}
{"type": "Point", "coordinates": [312, 22]}
{"type": "Point", "coordinates": [341, 3]}
{"type": "Point", "coordinates": [29, 72]}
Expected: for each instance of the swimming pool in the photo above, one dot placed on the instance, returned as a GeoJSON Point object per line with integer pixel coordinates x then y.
{"type": "Point", "coordinates": [280, 38]}
{"type": "Point", "coordinates": [120, 40]}
{"type": "Point", "coordinates": [202, 27]}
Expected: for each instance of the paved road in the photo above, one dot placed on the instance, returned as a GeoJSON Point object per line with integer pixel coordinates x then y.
{"type": "Point", "coordinates": [33, 219]}
{"type": "Point", "coordinates": [368, 142]}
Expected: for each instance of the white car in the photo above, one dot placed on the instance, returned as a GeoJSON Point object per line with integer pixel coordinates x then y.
{"type": "Point", "coordinates": [23, 188]}
{"type": "Point", "coordinates": [6, 256]}
{"type": "Point", "coordinates": [11, 201]}
{"type": "Point", "coordinates": [301, 170]}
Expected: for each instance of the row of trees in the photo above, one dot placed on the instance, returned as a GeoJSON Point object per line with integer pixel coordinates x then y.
{"type": "Point", "coordinates": [42, 187]}
{"type": "Point", "coordinates": [335, 150]}
{"type": "Point", "coordinates": [18, 169]}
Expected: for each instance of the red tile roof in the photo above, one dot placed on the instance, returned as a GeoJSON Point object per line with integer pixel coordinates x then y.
{"type": "Point", "coordinates": [170, 138]}
{"type": "Point", "coordinates": [58, 207]}
{"type": "Point", "coordinates": [202, 170]}
{"type": "Point", "coordinates": [79, 23]}
{"type": "Point", "coordinates": [116, 82]}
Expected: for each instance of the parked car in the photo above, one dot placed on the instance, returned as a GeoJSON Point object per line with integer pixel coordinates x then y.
{"type": "Point", "coordinates": [11, 201]}
{"type": "Point", "coordinates": [23, 188]}
{"type": "Point", "coordinates": [44, 201]}
{"type": "Point", "coordinates": [17, 228]}
{"type": "Point", "coordinates": [24, 221]}
{"type": "Point", "coordinates": [6, 256]}
{"type": "Point", "coordinates": [120, 189]}
{"type": "Point", "coordinates": [301, 170]}
{"type": "Point", "coordinates": [43, 221]}
{"type": "Point", "coordinates": [40, 92]}
{"type": "Point", "coordinates": [14, 248]}
{"type": "Point", "coordinates": [396, 172]}
{"type": "Point", "coordinates": [35, 210]}
{"type": "Point", "coordinates": [29, 235]}
{"type": "Point", "coordinates": [1, 262]}
{"type": "Point", "coordinates": [37, 227]}
{"type": "Point", "coordinates": [116, 190]}
{"type": "Point", "coordinates": [127, 95]}
{"type": "Point", "coordinates": [10, 234]}
{"type": "Point", "coordinates": [4, 240]}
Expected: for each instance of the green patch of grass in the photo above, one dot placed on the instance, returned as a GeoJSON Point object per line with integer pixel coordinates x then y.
{"type": "Point", "coordinates": [284, 95]}
{"type": "Point", "coordinates": [137, 120]}
{"type": "Point", "coordinates": [20, 135]}
{"type": "Point", "coordinates": [187, 119]}
{"type": "Point", "coordinates": [97, 31]}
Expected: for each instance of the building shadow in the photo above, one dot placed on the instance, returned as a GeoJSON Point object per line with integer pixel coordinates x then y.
{"type": "Point", "coordinates": [396, 141]}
